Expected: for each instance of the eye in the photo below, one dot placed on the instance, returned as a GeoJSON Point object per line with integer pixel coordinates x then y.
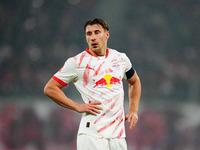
{"type": "Point", "coordinates": [88, 33]}
{"type": "Point", "coordinates": [97, 32]}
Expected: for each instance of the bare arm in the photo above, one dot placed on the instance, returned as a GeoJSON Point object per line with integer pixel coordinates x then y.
{"type": "Point", "coordinates": [134, 98]}
{"type": "Point", "coordinates": [53, 89]}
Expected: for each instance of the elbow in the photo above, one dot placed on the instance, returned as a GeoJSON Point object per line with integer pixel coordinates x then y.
{"type": "Point", "coordinates": [46, 90]}
{"type": "Point", "coordinates": [138, 82]}
{"type": "Point", "coordinates": [51, 88]}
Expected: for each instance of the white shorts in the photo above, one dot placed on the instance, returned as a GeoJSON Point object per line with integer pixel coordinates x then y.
{"type": "Point", "coordinates": [87, 142]}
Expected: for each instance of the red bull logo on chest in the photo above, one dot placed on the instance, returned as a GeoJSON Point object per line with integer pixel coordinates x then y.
{"type": "Point", "coordinates": [107, 81]}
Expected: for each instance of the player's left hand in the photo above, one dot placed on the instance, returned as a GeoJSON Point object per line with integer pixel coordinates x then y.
{"type": "Point", "coordinates": [132, 118]}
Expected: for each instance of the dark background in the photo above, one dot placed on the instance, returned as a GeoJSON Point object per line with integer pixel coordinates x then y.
{"type": "Point", "coordinates": [161, 38]}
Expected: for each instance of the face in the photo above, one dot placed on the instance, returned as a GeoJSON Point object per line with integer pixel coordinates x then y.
{"type": "Point", "coordinates": [96, 38]}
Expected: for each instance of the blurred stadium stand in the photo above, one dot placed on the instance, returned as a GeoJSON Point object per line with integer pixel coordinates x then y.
{"type": "Point", "coordinates": [162, 39]}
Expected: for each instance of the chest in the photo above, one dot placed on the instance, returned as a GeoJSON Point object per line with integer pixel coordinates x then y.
{"type": "Point", "coordinates": [101, 72]}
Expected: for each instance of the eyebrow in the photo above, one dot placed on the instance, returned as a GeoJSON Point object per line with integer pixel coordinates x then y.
{"type": "Point", "coordinates": [92, 31]}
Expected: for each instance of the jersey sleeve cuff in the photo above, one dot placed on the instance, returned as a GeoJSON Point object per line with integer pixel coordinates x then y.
{"type": "Point", "coordinates": [59, 81]}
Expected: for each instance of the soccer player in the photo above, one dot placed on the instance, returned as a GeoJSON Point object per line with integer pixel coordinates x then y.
{"type": "Point", "coordinates": [97, 74]}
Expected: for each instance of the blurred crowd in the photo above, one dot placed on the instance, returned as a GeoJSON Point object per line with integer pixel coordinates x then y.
{"type": "Point", "coordinates": [26, 127]}
{"type": "Point", "coordinates": [160, 37]}
{"type": "Point", "coordinates": [42, 126]}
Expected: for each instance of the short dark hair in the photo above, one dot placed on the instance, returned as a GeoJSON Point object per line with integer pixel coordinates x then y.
{"type": "Point", "coordinates": [99, 21]}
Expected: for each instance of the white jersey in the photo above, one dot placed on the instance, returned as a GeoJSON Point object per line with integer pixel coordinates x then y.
{"type": "Point", "coordinates": [99, 79]}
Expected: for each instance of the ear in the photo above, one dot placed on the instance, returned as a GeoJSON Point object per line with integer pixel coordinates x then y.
{"type": "Point", "coordinates": [108, 34]}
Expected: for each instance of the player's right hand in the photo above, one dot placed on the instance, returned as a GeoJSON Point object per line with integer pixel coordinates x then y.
{"type": "Point", "coordinates": [92, 108]}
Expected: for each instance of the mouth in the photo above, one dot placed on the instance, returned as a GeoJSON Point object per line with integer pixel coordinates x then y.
{"type": "Point", "coordinates": [94, 45]}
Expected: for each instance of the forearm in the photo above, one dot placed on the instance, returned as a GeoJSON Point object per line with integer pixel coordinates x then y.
{"type": "Point", "coordinates": [53, 90]}
{"type": "Point", "coordinates": [60, 98]}
{"type": "Point", "coordinates": [134, 95]}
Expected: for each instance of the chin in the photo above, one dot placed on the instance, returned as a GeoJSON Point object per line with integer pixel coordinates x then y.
{"type": "Point", "coordinates": [95, 49]}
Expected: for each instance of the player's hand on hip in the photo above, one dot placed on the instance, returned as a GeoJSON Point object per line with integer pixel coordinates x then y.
{"type": "Point", "coordinates": [132, 118]}
{"type": "Point", "coordinates": [92, 108]}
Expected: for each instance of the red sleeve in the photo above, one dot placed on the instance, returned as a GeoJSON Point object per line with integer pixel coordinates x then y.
{"type": "Point", "coordinates": [59, 81]}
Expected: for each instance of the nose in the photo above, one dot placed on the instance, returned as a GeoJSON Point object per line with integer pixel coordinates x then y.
{"type": "Point", "coordinates": [93, 37]}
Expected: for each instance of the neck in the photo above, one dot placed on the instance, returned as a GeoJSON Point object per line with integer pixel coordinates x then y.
{"type": "Point", "coordinates": [98, 52]}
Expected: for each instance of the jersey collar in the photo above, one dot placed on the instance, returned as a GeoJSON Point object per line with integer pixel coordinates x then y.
{"type": "Point", "coordinates": [107, 52]}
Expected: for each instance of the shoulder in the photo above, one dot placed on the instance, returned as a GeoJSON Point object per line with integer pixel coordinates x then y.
{"type": "Point", "coordinates": [81, 54]}
{"type": "Point", "coordinates": [118, 54]}
{"type": "Point", "coordinates": [77, 58]}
